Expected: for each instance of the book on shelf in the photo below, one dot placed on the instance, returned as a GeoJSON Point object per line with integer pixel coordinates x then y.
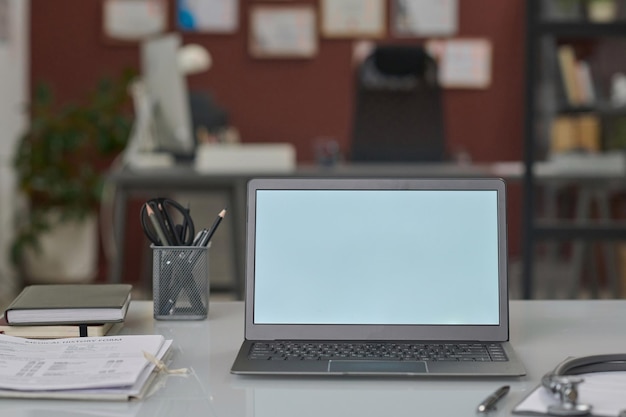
{"type": "Point", "coordinates": [589, 132]}
{"type": "Point", "coordinates": [576, 78]}
{"type": "Point", "coordinates": [563, 134]}
{"type": "Point", "coordinates": [585, 83]}
{"type": "Point", "coordinates": [52, 331]}
{"type": "Point", "coordinates": [567, 65]}
{"type": "Point", "coordinates": [579, 132]}
{"type": "Point", "coordinates": [69, 304]}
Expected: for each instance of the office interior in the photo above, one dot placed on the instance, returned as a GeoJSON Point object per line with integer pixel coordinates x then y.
{"type": "Point", "coordinates": [302, 101]}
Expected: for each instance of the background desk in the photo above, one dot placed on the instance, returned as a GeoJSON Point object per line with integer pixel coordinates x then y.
{"type": "Point", "coordinates": [542, 332]}
{"type": "Point", "coordinates": [150, 182]}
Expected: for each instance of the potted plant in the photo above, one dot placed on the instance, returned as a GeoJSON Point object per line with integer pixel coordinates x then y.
{"type": "Point", "coordinates": [59, 163]}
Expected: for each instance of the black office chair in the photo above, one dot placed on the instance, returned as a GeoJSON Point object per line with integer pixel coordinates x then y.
{"type": "Point", "coordinates": [398, 111]}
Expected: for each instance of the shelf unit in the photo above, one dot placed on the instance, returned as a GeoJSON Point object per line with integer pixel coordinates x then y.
{"type": "Point", "coordinates": [540, 29]}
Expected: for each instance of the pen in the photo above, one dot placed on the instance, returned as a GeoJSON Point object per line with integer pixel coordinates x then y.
{"type": "Point", "coordinates": [216, 223]}
{"type": "Point", "coordinates": [198, 238]}
{"type": "Point", "coordinates": [491, 400]}
{"type": "Point", "coordinates": [169, 225]}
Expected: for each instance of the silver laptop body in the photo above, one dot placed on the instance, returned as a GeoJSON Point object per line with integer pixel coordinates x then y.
{"type": "Point", "coordinates": [376, 277]}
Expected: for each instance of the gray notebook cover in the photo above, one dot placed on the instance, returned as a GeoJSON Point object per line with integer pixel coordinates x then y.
{"type": "Point", "coordinates": [69, 303]}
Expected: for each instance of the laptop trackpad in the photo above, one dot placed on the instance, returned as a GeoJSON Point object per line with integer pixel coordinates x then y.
{"type": "Point", "coordinates": [377, 366]}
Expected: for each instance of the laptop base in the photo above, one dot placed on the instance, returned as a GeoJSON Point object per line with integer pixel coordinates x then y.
{"type": "Point", "coordinates": [243, 365]}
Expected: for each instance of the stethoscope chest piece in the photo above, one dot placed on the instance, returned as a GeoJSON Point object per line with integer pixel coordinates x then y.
{"type": "Point", "coordinates": [563, 382]}
{"type": "Point", "coordinates": [566, 387]}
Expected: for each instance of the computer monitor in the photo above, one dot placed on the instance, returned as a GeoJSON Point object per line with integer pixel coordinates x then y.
{"type": "Point", "coordinates": [166, 90]}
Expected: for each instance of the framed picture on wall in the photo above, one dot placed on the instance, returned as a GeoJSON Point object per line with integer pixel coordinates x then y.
{"type": "Point", "coordinates": [129, 21]}
{"type": "Point", "coordinates": [423, 18]}
{"type": "Point", "coordinates": [208, 16]}
{"type": "Point", "coordinates": [463, 63]}
{"type": "Point", "coordinates": [283, 31]}
{"type": "Point", "coordinates": [353, 18]}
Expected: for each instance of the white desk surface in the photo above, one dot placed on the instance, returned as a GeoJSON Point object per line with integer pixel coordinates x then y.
{"type": "Point", "coordinates": [542, 332]}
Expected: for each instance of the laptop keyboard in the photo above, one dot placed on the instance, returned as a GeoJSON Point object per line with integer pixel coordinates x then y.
{"type": "Point", "coordinates": [478, 352]}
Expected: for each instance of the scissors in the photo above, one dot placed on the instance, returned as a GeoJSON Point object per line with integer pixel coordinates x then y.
{"type": "Point", "coordinates": [167, 223]}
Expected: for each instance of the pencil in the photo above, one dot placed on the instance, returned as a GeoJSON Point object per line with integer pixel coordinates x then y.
{"type": "Point", "coordinates": [216, 223]}
{"type": "Point", "coordinates": [157, 227]}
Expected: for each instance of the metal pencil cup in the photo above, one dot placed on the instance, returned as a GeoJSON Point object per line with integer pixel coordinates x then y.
{"type": "Point", "coordinates": [180, 286]}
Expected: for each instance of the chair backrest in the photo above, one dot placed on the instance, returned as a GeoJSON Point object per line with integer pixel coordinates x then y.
{"type": "Point", "coordinates": [398, 110]}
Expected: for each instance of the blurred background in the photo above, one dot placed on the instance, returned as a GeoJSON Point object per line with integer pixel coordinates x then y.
{"type": "Point", "coordinates": [288, 72]}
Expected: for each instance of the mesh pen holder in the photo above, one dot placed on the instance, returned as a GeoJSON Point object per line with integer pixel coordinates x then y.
{"type": "Point", "coordinates": [180, 286]}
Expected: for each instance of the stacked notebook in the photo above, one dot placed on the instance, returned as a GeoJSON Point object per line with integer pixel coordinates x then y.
{"type": "Point", "coordinates": [67, 310]}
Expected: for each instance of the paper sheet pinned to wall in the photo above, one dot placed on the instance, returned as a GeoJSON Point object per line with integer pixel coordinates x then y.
{"type": "Point", "coordinates": [133, 19]}
{"type": "Point", "coordinates": [463, 63]}
{"type": "Point", "coordinates": [425, 17]}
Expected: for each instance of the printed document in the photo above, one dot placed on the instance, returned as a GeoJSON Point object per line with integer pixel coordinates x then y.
{"type": "Point", "coordinates": [75, 363]}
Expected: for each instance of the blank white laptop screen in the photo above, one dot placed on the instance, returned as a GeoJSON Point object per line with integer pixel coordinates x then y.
{"type": "Point", "coordinates": [404, 257]}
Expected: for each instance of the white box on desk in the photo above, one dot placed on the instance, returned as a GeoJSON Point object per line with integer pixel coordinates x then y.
{"type": "Point", "coordinates": [247, 157]}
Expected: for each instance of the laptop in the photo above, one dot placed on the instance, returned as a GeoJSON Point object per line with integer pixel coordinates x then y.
{"type": "Point", "coordinates": [376, 277]}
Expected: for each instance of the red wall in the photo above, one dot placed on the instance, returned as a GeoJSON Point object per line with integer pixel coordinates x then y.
{"type": "Point", "coordinates": [294, 100]}
{"type": "Point", "coordinates": [298, 100]}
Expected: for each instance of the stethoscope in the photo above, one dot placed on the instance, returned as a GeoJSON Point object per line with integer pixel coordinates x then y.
{"type": "Point", "coordinates": [563, 382]}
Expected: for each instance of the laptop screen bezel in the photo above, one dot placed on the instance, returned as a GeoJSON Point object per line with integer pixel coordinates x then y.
{"type": "Point", "coordinates": [495, 333]}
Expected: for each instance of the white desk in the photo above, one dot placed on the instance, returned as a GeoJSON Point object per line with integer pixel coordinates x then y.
{"type": "Point", "coordinates": [543, 333]}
